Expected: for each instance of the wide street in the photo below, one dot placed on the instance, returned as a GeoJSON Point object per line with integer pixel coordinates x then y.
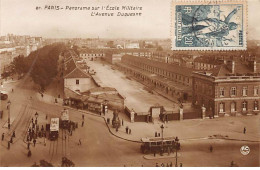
{"type": "Point", "coordinates": [99, 147]}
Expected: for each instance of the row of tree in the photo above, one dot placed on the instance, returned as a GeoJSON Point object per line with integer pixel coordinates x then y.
{"type": "Point", "coordinates": [41, 65]}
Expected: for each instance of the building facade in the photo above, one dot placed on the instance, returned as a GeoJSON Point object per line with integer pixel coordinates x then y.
{"type": "Point", "coordinates": [229, 89]}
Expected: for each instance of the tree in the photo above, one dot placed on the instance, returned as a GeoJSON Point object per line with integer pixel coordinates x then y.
{"type": "Point", "coordinates": [20, 65]}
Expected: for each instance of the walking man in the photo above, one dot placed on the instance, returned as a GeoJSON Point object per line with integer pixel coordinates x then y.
{"type": "Point", "coordinates": [28, 145]}
{"type": "Point", "coordinates": [11, 140]}
{"type": "Point", "coordinates": [244, 130]}
{"type": "Point", "coordinates": [3, 136]}
{"type": "Point", "coordinates": [83, 116]}
{"type": "Point", "coordinates": [82, 123]}
{"type": "Point", "coordinates": [34, 142]}
{"type": "Point", "coordinates": [211, 148]}
{"type": "Point", "coordinates": [13, 134]}
{"type": "Point", "coordinates": [29, 153]}
{"type": "Point", "coordinates": [130, 131]}
{"type": "Point", "coordinates": [122, 122]}
{"type": "Point", "coordinates": [126, 129]}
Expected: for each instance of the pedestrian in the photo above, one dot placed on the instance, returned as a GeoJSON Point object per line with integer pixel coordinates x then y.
{"type": "Point", "coordinates": [8, 146]}
{"type": "Point", "coordinates": [82, 123]}
{"type": "Point", "coordinates": [162, 164]}
{"type": "Point", "coordinates": [44, 141]}
{"type": "Point", "coordinates": [130, 131]}
{"type": "Point", "coordinates": [211, 148]}
{"type": "Point", "coordinates": [29, 153]}
{"type": "Point", "coordinates": [42, 129]}
{"type": "Point", "coordinates": [156, 164]}
{"type": "Point", "coordinates": [36, 121]}
{"type": "Point", "coordinates": [34, 142]}
{"type": "Point", "coordinates": [3, 136]}
{"type": "Point", "coordinates": [42, 95]}
{"type": "Point", "coordinates": [13, 134]}
{"type": "Point", "coordinates": [155, 134]}
{"type": "Point", "coordinates": [122, 122]}
{"type": "Point", "coordinates": [180, 164]}
{"type": "Point", "coordinates": [244, 130]}
{"type": "Point", "coordinates": [46, 117]}
{"type": "Point", "coordinates": [171, 164]}
{"type": "Point", "coordinates": [12, 90]}
{"type": "Point", "coordinates": [11, 140]}
{"type": "Point", "coordinates": [28, 145]}
{"type": "Point", "coordinates": [159, 134]}
{"type": "Point", "coordinates": [82, 116]}
{"type": "Point", "coordinates": [32, 120]}
{"type": "Point", "coordinates": [79, 142]}
{"type": "Point", "coordinates": [126, 129]}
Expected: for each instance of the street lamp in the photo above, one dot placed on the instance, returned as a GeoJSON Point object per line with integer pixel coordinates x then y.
{"type": "Point", "coordinates": [8, 106]}
{"type": "Point", "coordinates": [162, 127]}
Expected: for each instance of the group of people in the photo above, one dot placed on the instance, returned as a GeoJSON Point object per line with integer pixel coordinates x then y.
{"type": "Point", "coordinates": [128, 130]}
{"type": "Point", "coordinates": [11, 139]}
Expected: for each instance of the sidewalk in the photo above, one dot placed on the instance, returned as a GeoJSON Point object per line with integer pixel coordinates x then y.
{"type": "Point", "coordinates": [230, 128]}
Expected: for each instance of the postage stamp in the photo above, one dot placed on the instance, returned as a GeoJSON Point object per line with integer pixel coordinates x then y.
{"type": "Point", "coordinates": [209, 25]}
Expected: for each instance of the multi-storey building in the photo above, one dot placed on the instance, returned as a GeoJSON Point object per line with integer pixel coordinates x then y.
{"type": "Point", "coordinates": [171, 79]}
{"type": "Point", "coordinates": [229, 89]}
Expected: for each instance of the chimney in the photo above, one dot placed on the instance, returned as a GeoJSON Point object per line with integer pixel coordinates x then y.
{"type": "Point", "coordinates": [233, 67]}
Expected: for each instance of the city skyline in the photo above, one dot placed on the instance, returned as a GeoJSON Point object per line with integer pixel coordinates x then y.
{"type": "Point", "coordinates": [24, 19]}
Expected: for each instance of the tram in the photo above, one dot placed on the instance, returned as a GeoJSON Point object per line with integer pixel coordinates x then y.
{"type": "Point", "coordinates": [158, 144]}
{"type": "Point", "coordinates": [65, 119]}
{"type": "Point", "coordinates": [54, 129]}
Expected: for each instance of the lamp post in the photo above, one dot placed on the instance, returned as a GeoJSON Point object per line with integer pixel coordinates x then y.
{"type": "Point", "coordinates": [176, 158]}
{"type": "Point", "coordinates": [8, 106]}
{"type": "Point", "coordinates": [162, 127]}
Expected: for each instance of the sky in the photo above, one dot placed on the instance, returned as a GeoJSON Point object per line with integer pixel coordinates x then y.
{"type": "Point", "coordinates": [20, 17]}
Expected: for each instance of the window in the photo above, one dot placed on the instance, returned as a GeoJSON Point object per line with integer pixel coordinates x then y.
{"type": "Point", "coordinates": [77, 81]}
{"type": "Point", "coordinates": [233, 107]}
{"type": "Point", "coordinates": [256, 105]}
{"type": "Point", "coordinates": [244, 106]}
{"type": "Point", "coordinates": [244, 91]}
{"type": "Point", "coordinates": [233, 91]}
{"type": "Point", "coordinates": [221, 107]}
{"type": "Point", "coordinates": [256, 91]}
{"type": "Point", "coordinates": [222, 92]}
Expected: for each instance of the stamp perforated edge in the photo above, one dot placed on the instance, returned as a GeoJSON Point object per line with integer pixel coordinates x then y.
{"type": "Point", "coordinates": [199, 2]}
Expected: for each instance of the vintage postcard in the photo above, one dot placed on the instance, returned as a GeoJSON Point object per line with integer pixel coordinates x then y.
{"type": "Point", "coordinates": [209, 25]}
{"type": "Point", "coordinates": [129, 83]}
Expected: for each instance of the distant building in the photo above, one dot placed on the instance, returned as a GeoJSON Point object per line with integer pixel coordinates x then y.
{"type": "Point", "coordinates": [91, 54]}
{"type": "Point", "coordinates": [228, 89]}
{"type": "Point", "coordinates": [131, 45]}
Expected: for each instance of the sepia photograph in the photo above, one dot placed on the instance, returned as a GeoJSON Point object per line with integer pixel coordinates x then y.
{"type": "Point", "coordinates": [130, 83]}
